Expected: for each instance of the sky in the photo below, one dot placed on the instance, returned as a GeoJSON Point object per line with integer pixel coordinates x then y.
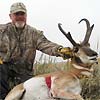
{"type": "Point", "coordinates": [46, 14]}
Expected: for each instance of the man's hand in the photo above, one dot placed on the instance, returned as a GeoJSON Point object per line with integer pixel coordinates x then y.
{"type": "Point", "coordinates": [1, 61]}
{"type": "Point", "coordinates": [65, 52]}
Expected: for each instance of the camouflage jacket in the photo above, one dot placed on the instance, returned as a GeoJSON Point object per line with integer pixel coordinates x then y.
{"type": "Point", "coordinates": [21, 45]}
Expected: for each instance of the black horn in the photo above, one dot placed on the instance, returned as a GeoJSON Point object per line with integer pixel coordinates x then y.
{"type": "Point", "coordinates": [68, 35]}
{"type": "Point", "coordinates": [88, 31]}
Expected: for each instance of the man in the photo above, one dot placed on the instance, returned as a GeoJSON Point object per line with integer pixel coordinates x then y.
{"type": "Point", "coordinates": [18, 45]}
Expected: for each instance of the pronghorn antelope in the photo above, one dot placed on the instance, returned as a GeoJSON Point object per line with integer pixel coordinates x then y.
{"type": "Point", "coordinates": [60, 84]}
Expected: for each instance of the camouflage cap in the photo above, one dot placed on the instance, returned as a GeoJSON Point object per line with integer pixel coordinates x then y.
{"type": "Point", "coordinates": [16, 7]}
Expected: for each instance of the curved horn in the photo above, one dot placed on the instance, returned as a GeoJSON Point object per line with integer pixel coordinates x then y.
{"type": "Point", "coordinates": [88, 31]}
{"type": "Point", "coordinates": [68, 35]}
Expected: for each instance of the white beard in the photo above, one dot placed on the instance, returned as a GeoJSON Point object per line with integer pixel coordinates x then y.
{"type": "Point", "coordinates": [20, 24]}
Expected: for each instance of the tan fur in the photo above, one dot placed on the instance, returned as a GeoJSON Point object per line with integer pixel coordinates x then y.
{"type": "Point", "coordinates": [15, 93]}
{"type": "Point", "coordinates": [62, 80]}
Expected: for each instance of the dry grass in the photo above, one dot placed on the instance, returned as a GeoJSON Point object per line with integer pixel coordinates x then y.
{"type": "Point", "coordinates": [91, 86]}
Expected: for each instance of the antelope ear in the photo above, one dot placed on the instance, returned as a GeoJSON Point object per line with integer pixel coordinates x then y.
{"type": "Point", "coordinates": [75, 49]}
{"type": "Point", "coordinates": [88, 44]}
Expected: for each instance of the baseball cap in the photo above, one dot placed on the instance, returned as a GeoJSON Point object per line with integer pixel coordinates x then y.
{"type": "Point", "coordinates": [16, 7]}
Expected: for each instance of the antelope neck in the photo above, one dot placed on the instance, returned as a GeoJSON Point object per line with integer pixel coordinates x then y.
{"type": "Point", "coordinates": [77, 71]}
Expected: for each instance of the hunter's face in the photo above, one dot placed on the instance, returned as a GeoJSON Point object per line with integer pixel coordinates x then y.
{"type": "Point", "coordinates": [19, 19]}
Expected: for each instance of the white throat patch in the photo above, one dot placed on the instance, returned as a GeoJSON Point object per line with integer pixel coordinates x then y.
{"type": "Point", "coordinates": [80, 67]}
{"type": "Point", "coordinates": [87, 72]}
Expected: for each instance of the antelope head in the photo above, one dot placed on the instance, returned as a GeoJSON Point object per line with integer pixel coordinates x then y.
{"type": "Point", "coordinates": [85, 57]}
